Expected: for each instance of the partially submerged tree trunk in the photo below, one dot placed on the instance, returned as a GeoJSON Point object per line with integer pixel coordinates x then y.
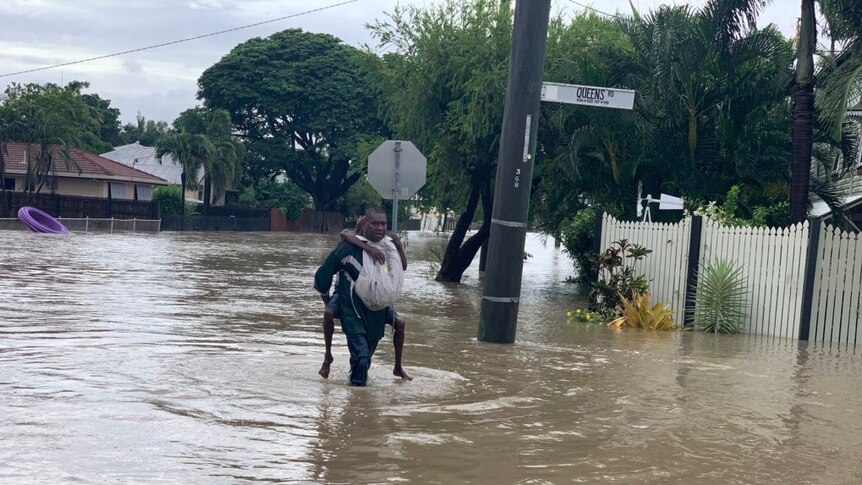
{"type": "Point", "coordinates": [803, 115]}
{"type": "Point", "coordinates": [458, 257]}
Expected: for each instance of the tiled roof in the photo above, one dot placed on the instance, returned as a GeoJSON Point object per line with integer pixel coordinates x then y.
{"type": "Point", "coordinates": [144, 158]}
{"type": "Point", "coordinates": [82, 164]}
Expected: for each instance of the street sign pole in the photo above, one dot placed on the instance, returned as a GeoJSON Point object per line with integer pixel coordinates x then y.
{"type": "Point", "coordinates": [396, 187]}
{"type": "Point", "coordinates": [499, 315]}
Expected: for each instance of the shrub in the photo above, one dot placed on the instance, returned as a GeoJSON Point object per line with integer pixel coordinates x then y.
{"type": "Point", "coordinates": [617, 277]}
{"type": "Point", "coordinates": [169, 200]}
{"type": "Point", "coordinates": [639, 312]}
{"type": "Point", "coordinates": [719, 304]}
{"type": "Point", "coordinates": [584, 315]}
{"type": "Point", "coordinates": [577, 239]}
{"type": "Point", "coordinates": [269, 194]}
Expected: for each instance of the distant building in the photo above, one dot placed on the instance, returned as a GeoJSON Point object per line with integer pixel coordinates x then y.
{"type": "Point", "coordinates": [144, 158]}
{"type": "Point", "coordinates": [85, 174]}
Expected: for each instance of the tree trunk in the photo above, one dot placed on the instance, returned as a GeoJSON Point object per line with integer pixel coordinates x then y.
{"type": "Point", "coordinates": [182, 199]}
{"type": "Point", "coordinates": [803, 115]}
{"type": "Point", "coordinates": [458, 258]}
{"type": "Point", "coordinates": [5, 207]}
{"type": "Point", "coordinates": [207, 194]}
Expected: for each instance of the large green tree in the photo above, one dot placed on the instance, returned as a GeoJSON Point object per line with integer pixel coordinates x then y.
{"type": "Point", "coordinates": [303, 105]}
{"type": "Point", "coordinates": [445, 85]}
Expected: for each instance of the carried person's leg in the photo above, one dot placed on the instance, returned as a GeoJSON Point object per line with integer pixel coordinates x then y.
{"type": "Point", "coordinates": [330, 313]}
{"type": "Point", "coordinates": [398, 341]}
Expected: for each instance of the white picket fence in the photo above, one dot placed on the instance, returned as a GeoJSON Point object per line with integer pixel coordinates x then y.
{"type": "Point", "coordinates": [773, 264]}
{"type": "Point", "coordinates": [835, 306]}
{"type": "Point", "coordinates": [665, 268]}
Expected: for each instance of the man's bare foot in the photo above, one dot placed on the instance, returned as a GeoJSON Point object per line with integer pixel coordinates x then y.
{"type": "Point", "coordinates": [399, 371]}
{"type": "Point", "coordinates": [324, 369]}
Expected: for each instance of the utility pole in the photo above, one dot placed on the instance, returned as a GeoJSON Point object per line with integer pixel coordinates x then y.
{"type": "Point", "coordinates": [499, 317]}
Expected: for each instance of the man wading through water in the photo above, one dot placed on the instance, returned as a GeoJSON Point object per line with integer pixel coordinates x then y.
{"type": "Point", "coordinates": [362, 327]}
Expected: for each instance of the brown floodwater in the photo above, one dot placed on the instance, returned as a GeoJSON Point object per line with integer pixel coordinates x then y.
{"type": "Point", "coordinates": [193, 358]}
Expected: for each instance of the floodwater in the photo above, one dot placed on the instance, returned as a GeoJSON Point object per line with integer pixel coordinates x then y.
{"type": "Point", "coordinates": [193, 358]}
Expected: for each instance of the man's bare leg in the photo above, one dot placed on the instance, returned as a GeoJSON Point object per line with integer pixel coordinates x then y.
{"type": "Point", "coordinates": [398, 340]}
{"type": "Point", "coordinates": [328, 330]}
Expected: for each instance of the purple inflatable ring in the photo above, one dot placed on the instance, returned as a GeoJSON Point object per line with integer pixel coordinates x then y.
{"type": "Point", "coordinates": [40, 221]}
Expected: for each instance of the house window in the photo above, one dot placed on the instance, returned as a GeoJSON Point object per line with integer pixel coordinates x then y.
{"type": "Point", "coordinates": [143, 192]}
{"type": "Point", "coordinates": [9, 184]}
{"type": "Point", "coordinates": [118, 190]}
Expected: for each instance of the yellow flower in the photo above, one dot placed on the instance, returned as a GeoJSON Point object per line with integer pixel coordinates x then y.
{"type": "Point", "coordinates": [569, 314]}
{"type": "Point", "coordinates": [579, 310]}
{"type": "Point", "coordinates": [588, 317]}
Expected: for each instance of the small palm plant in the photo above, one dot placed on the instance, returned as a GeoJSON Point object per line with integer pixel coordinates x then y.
{"type": "Point", "coordinates": [720, 300]}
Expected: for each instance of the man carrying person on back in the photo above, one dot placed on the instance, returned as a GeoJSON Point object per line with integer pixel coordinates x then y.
{"type": "Point", "coordinates": [362, 326]}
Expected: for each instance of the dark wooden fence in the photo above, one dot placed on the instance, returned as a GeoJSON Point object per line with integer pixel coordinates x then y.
{"type": "Point", "coordinates": [79, 207]}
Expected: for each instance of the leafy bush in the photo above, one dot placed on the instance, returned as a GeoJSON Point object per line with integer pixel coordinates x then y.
{"type": "Point", "coordinates": [719, 305]}
{"type": "Point", "coordinates": [639, 312]}
{"type": "Point", "coordinates": [269, 194]}
{"type": "Point", "coordinates": [617, 277]}
{"type": "Point", "coordinates": [584, 315]}
{"type": "Point", "coordinates": [577, 239]}
{"type": "Point", "coordinates": [169, 200]}
{"type": "Point", "coordinates": [777, 214]}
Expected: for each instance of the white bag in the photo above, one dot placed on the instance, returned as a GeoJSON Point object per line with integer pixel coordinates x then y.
{"type": "Point", "coordinates": [379, 285]}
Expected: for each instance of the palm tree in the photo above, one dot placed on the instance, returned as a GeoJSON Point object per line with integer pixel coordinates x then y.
{"type": "Point", "coordinates": [201, 139]}
{"type": "Point", "coordinates": [221, 167]}
{"type": "Point", "coordinates": [840, 76]}
{"type": "Point", "coordinates": [189, 151]}
{"type": "Point", "coordinates": [803, 114]}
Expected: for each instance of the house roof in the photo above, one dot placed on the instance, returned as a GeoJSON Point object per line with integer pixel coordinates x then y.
{"type": "Point", "coordinates": [81, 165]}
{"type": "Point", "coordinates": [144, 158]}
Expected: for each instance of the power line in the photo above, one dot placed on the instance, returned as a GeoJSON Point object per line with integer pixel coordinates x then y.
{"type": "Point", "coordinates": [180, 41]}
{"type": "Point", "coordinates": [595, 10]}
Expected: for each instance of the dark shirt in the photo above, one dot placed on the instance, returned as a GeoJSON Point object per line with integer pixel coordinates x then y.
{"type": "Point", "coordinates": [346, 260]}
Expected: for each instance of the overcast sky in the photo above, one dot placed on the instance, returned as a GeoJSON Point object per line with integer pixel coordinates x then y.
{"type": "Point", "coordinates": [160, 83]}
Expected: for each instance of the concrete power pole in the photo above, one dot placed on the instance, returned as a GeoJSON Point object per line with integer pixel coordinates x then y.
{"type": "Point", "coordinates": [505, 264]}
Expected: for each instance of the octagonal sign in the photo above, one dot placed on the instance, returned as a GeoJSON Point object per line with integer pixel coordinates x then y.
{"type": "Point", "coordinates": [396, 167]}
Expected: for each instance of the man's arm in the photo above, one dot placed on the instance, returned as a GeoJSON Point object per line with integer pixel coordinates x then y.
{"type": "Point", "coordinates": [375, 253]}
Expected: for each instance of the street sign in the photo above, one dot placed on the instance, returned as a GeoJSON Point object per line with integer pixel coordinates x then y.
{"type": "Point", "coordinates": [396, 170]}
{"type": "Point", "coordinates": [588, 95]}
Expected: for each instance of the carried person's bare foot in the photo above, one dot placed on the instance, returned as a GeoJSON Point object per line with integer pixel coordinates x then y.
{"type": "Point", "coordinates": [400, 372]}
{"type": "Point", "coordinates": [324, 369]}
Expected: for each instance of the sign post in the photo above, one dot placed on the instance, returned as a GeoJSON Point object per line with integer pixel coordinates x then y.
{"type": "Point", "coordinates": [499, 316]}
{"type": "Point", "coordinates": [396, 170]}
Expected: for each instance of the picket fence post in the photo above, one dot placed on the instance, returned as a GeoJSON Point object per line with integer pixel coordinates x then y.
{"type": "Point", "coordinates": [691, 279]}
{"type": "Point", "coordinates": [810, 272]}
